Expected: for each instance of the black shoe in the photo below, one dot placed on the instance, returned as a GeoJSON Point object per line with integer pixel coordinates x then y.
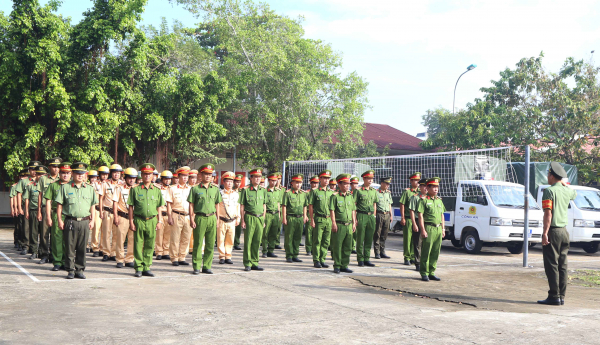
{"type": "Point", "coordinates": [207, 271]}
{"type": "Point", "coordinates": [324, 265]}
{"type": "Point", "coordinates": [196, 272]}
{"type": "Point", "coordinates": [271, 255]}
{"type": "Point", "coordinates": [87, 250]}
{"type": "Point", "coordinates": [377, 256]}
{"type": "Point", "coordinates": [562, 301]}
{"type": "Point", "coordinates": [309, 253]}
{"type": "Point", "coordinates": [16, 245]}
{"type": "Point", "coordinates": [158, 257]}
{"type": "Point", "coordinates": [318, 265]}
{"type": "Point", "coordinates": [361, 263]}
{"type": "Point", "coordinates": [425, 278]}
{"type": "Point", "coordinates": [336, 270]}
{"type": "Point", "coordinates": [183, 263]}
{"type": "Point", "coordinates": [105, 258]}
{"type": "Point", "coordinates": [119, 265]}
{"type": "Point", "coordinates": [264, 255]}
{"type": "Point", "coordinates": [434, 277]}
{"type": "Point", "coordinates": [237, 248]}
{"type": "Point", "coordinates": [417, 267]}
{"type": "Point", "coordinates": [278, 247]}
{"type": "Point", "coordinates": [247, 268]}
{"type": "Point", "coordinates": [301, 244]}
{"type": "Point", "coordinates": [175, 263]}
{"type": "Point", "coordinates": [257, 268]}
{"type": "Point", "coordinates": [384, 256]}
{"type": "Point", "coordinates": [228, 261]}
{"type": "Point", "coordinates": [129, 264]}
{"type": "Point", "coordinates": [550, 301]}
{"type": "Point", "coordinates": [411, 261]}
{"type": "Point", "coordinates": [138, 274]}
{"type": "Point", "coordinates": [369, 264]}
{"type": "Point", "coordinates": [55, 268]}
{"type": "Point", "coordinates": [31, 257]}
{"type": "Point", "coordinates": [148, 273]}
{"type": "Point", "coordinates": [112, 258]}
{"type": "Point", "coordinates": [296, 260]}
{"type": "Point", "coordinates": [288, 260]}
{"type": "Point", "coordinates": [154, 253]}
{"type": "Point", "coordinates": [71, 275]}
{"type": "Point", "coordinates": [43, 261]}
{"type": "Point", "coordinates": [166, 257]}
{"type": "Point", "coordinates": [79, 275]}
{"type": "Point", "coordinates": [345, 270]}
{"type": "Point", "coordinates": [222, 261]}
{"type": "Point", "coordinates": [406, 262]}
{"type": "Point", "coordinates": [23, 252]}
{"type": "Point", "coordinates": [96, 254]}
{"type": "Point", "coordinates": [62, 267]}
{"type": "Point", "coordinates": [353, 251]}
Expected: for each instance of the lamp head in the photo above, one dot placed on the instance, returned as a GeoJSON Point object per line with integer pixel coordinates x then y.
{"type": "Point", "coordinates": [471, 66]}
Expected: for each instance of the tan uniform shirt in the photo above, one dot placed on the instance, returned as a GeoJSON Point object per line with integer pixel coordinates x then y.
{"type": "Point", "coordinates": [120, 196]}
{"type": "Point", "coordinates": [230, 205]}
{"type": "Point", "coordinates": [178, 196]}
{"type": "Point", "coordinates": [164, 190]}
{"type": "Point", "coordinates": [108, 190]}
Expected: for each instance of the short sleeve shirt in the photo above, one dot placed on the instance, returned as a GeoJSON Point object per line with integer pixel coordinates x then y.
{"type": "Point", "coordinates": [45, 182]}
{"type": "Point", "coordinates": [407, 194]}
{"type": "Point", "coordinates": [365, 198]}
{"type": "Point", "coordinates": [178, 197]}
{"type": "Point", "coordinates": [13, 191]}
{"type": "Point", "coordinates": [205, 200]}
{"type": "Point", "coordinates": [253, 199]}
{"type": "Point", "coordinates": [108, 190]}
{"type": "Point", "coordinates": [274, 197]}
{"type": "Point", "coordinates": [319, 199]}
{"type": "Point", "coordinates": [76, 201]}
{"type": "Point", "coordinates": [145, 201]}
{"type": "Point", "coordinates": [342, 206]}
{"type": "Point", "coordinates": [413, 203]}
{"type": "Point", "coordinates": [52, 192]}
{"type": "Point", "coordinates": [32, 192]}
{"type": "Point", "coordinates": [120, 197]}
{"type": "Point", "coordinates": [295, 202]}
{"type": "Point", "coordinates": [384, 200]}
{"type": "Point", "coordinates": [432, 209]}
{"type": "Point", "coordinates": [556, 198]}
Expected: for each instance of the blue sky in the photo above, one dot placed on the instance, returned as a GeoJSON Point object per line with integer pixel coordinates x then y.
{"type": "Point", "coordinates": [412, 52]}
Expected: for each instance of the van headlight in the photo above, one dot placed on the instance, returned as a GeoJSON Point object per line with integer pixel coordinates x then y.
{"type": "Point", "coordinates": [500, 221]}
{"type": "Point", "coordinates": [582, 223]}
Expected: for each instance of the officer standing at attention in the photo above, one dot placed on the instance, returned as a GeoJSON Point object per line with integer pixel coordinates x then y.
{"type": "Point", "coordinates": [406, 222]}
{"type": "Point", "coordinates": [417, 241]}
{"type": "Point", "coordinates": [383, 217]}
{"type": "Point", "coordinates": [342, 210]}
{"type": "Point", "coordinates": [230, 217]}
{"type": "Point", "coordinates": [272, 217]}
{"type": "Point", "coordinates": [293, 213]}
{"type": "Point", "coordinates": [20, 189]}
{"type": "Point", "coordinates": [281, 190]}
{"type": "Point", "coordinates": [237, 182]}
{"type": "Point", "coordinates": [179, 224]}
{"type": "Point", "coordinates": [145, 202]}
{"type": "Point", "coordinates": [204, 213]}
{"type": "Point", "coordinates": [365, 198]}
{"type": "Point", "coordinates": [155, 176]}
{"type": "Point", "coordinates": [353, 186]}
{"type": "Point", "coordinates": [76, 201]}
{"type": "Point", "coordinates": [193, 178]}
{"type": "Point", "coordinates": [253, 208]}
{"type": "Point", "coordinates": [43, 184]}
{"type": "Point", "coordinates": [431, 221]}
{"type": "Point", "coordinates": [121, 216]}
{"type": "Point", "coordinates": [163, 234]}
{"type": "Point", "coordinates": [308, 229]}
{"type": "Point", "coordinates": [332, 185]}
{"type": "Point", "coordinates": [320, 219]}
{"type": "Point", "coordinates": [103, 173]}
{"type": "Point", "coordinates": [94, 240]}
{"type": "Point", "coordinates": [32, 213]}
{"type": "Point", "coordinates": [14, 212]}
{"type": "Point", "coordinates": [56, 234]}
{"type": "Point", "coordinates": [555, 239]}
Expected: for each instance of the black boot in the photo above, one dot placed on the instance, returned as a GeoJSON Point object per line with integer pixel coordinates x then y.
{"type": "Point", "coordinates": [550, 301]}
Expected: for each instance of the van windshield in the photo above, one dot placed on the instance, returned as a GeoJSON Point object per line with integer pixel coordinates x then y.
{"type": "Point", "coordinates": [588, 200]}
{"type": "Point", "coordinates": [510, 196]}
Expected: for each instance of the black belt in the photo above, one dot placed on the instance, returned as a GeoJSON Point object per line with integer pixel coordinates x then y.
{"type": "Point", "coordinates": [272, 212]}
{"type": "Point", "coordinates": [145, 218]}
{"type": "Point", "coordinates": [181, 213]}
{"type": "Point", "coordinates": [255, 215]}
{"type": "Point", "coordinates": [384, 213]}
{"type": "Point", "coordinates": [294, 215]}
{"type": "Point", "coordinates": [227, 220]}
{"type": "Point", "coordinates": [342, 223]}
{"type": "Point", "coordinates": [164, 214]}
{"type": "Point", "coordinates": [77, 219]}
{"type": "Point", "coordinates": [123, 214]}
{"type": "Point", "coordinates": [433, 224]}
{"type": "Point", "coordinates": [367, 213]}
{"type": "Point", "coordinates": [321, 215]}
{"type": "Point", "coordinates": [109, 209]}
{"type": "Point", "coordinates": [97, 207]}
{"type": "Point", "coordinates": [204, 214]}
{"type": "Point", "coordinates": [557, 227]}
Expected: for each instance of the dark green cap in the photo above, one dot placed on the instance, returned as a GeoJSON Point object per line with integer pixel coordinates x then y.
{"type": "Point", "coordinates": [557, 170]}
{"type": "Point", "coordinates": [33, 164]}
{"type": "Point", "coordinates": [79, 168]}
{"type": "Point", "coordinates": [54, 161]}
{"type": "Point", "coordinates": [385, 179]}
{"type": "Point", "coordinates": [423, 182]}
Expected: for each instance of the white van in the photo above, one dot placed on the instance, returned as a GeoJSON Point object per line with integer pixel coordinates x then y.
{"type": "Point", "coordinates": [584, 217]}
{"type": "Point", "coordinates": [489, 213]}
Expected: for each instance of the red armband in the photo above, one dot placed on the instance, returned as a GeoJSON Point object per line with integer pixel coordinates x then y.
{"type": "Point", "coordinates": [547, 204]}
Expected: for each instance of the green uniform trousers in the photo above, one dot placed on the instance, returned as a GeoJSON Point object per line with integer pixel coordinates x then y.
{"type": "Point", "coordinates": [34, 231]}
{"type": "Point", "coordinates": [417, 244]}
{"type": "Point", "coordinates": [430, 251]}
{"type": "Point", "coordinates": [206, 229]}
{"type": "Point", "coordinates": [382, 225]}
{"type": "Point", "coordinates": [17, 229]}
{"type": "Point", "coordinates": [143, 242]}
{"type": "Point", "coordinates": [252, 237]}
{"type": "Point", "coordinates": [44, 246]}
{"type": "Point", "coordinates": [321, 236]}
{"type": "Point", "coordinates": [555, 261]}
{"type": "Point", "coordinates": [75, 238]}
{"type": "Point", "coordinates": [57, 243]}
{"type": "Point", "coordinates": [278, 238]}
{"type": "Point", "coordinates": [238, 234]}
{"type": "Point", "coordinates": [23, 228]}
{"type": "Point", "coordinates": [308, 230]}
{"type": "Point", "coordinates": [271, 232]}
{"type": "Point", "coordinates": [293, 236]}
{"type": "Point", "coordinates": [341, 245]}
{"type": "Point", "coordinates": [364, 236]}
{"type": "Point", "coordinates": [407, 233]}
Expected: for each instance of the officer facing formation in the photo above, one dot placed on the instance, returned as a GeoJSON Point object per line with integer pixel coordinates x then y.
{"type": "Point", "coordinates": [383, 217]}
{"type": "Point", "coordinates": [555, 239]}
{"type": "Point", "coordinates": [431, 222]}
{"type": "Point", "coordinates": [342, 210]}
{"type": "Point", "coordinates": [365, 198]}
{"type": "Point", "coordinates": [320, 219]}
{"type": "Point", "coordinates": [293, 211]}
{"type": "Point", "coordinates": [417, 241]}
{"type": "Point", "coordinates": [406, 221]}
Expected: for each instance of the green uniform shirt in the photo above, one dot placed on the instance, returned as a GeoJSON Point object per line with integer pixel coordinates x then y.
{"type": "Point", "coordinates": [13, 191]}
{"type": "Point", "coordinates": [205, 199]}
{"type": "Point", "coordinates": [432, 208]}
{"type": "Point", "coordinates": [145, 201]}
{"type": "Point", "coordinates": [413, 204]}
{"type": "Point", "coordinates": [556, 198]}
{"type": "Point", "coordinates": [253, 199]}
{"type": "Point", "coordinates": [295, 201]}
{"type": "Point", "coordinates": [45, 182]}
{"type": "Point", "coordinates": [319, 199]}
{"type": "Point", "coordinates": [384, 200]}
{"type": "Point", "coordinates": [52, 192]}
{"type": "Point", "coordinates": [32, 192]}
{"type": "Point", "coordinates": [342, 206]}
{"type": "Point", "coordinates": [273, 199]}
{"type": "Point", "coordinates": [405, 197]}
{"type": "Point", "coordinates": [20, 188]}
{"type": "Point", "coordinates": [365, 198]}
{"type": "Point", "coordinates": [76, 201]}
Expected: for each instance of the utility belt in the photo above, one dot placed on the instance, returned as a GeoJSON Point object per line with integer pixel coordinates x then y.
{"type": "Point", "coordinates": [272, 212]}
{"type": "Point", "coordinates": [145, 218]}
{"type": "Point", "coordinates": [255, 215]}
{"type": "Point", "coordinates": [180, 213]}
{"type": "Point", "coordinates": [205, 214]}
{"type": "Point", "coordinates": [343, 223]}
{"type": "Point", "coordinates": [123, 214]}
{"type": "Point", "coordinates": [433, 224]}
{"type": "Point", "coordinates": [367, 213]}
{"type": "Point", "coordinates": [109, 209]}
{"type": "Point", "coordinates": [78, 219]}
{"type": "Point", "coordinates": [227, 220]}
{"type": "Point", "coordinates": [321, 215]}
{"type": "Point", "coordinates": [295, 215]}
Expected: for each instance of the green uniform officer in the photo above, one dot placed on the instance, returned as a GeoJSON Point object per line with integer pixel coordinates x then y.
{"type": "Point", "coordinates": [281, 190]}
{"type": "Point", "coordinates": [431, 222]}
{"type": "Point", "coordinates": [24, 176]}
{"type": "Point", "coordinates": [406, 223]}
{"type": "Point", "coordinates": [354, 180]}
{"type": "Point", "coordinates": [272, 217]}
{"type": "Point", "coordinates": [76, 200]}
{"type": "Point", "coordinates": [145, 202]}
{"type": "Point", "coordinates": [320, 219]}
{"type": "Point", "coordinates": [204, 198]}
{"type": "Point", "coordinates": [342, 210]}
{"type": "Point", "coordinates": [12, 194]}
{"type": "Point", "coordinates": [32, 197]}
{"type": "Point", "coordinates": [365, 198]}
{"type": "Point", "coordinates": [383, 217]}
{"type": "Point", "coordinates": [57, 243]}
{"type": "Point", "coordinates": [253, 208]}
{"type": "Point", "coordinates": [555, 239]}
{"type": "Point", "coordinates": [237, 181]}
{"type": "Point", "coordinates": [43, 185]}
{"type": "Point", "coordinates": [293, 209]}
{"type": "Point", "coordinates": [308, 228]}
{"type": "Point", "coordinates": [413, 204]}
{"type": "Point", "coordinates": [20, 189]}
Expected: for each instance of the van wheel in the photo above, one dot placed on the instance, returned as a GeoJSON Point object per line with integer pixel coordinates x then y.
{"type": "Point", "coordinates": [472, 243]}
{"type": "Point", "coordinates": [456, 243]}
{"type": "Point", "coordinates": [591, 247]}
{"type": "Point", "coordinates": [515, 248]}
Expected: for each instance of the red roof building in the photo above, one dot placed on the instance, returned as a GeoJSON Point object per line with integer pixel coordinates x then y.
{"type": "Point", "coordinates": [400, 143]}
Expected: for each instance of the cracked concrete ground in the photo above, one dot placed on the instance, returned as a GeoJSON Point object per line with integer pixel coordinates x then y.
{"type": "Point", "coordinates": [486, 298]}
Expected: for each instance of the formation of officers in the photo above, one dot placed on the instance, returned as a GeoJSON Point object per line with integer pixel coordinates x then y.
{"type": "Point", "coordinates": [65, 211]}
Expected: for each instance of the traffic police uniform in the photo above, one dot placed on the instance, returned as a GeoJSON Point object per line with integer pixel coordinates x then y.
{"type": "Point", "coordinates": [94, 240]}
{"type": "Point", "coordinates": [253, 199]}
{"type": "Point", "coordinates": [238, 228]}
{"type": "Point", "coordinates": [57, 243]}
{"type": "Point", "coordinates": [342, 209]}
{"type": "Point", "coordinates": [417, 241]}
{"type": "Point", "coordinates": [181, 230]}
{"type": "Point", "coordinates": [407, 230]}
{"type": "Point", "coordinates": [318, 199]}
{"type": "Point", "coordinates": [365, 199]}
{"type": "Point", "coordinates": [229, 211]}
{"type": "Point", "coordinates": [272, 218]}
{"type": "Point", "coordinates": [102, 171]}
{"type": "Point", "coordinates": [107, 195]}
{"type": "Point", "coordinates": [121, 215]}
{"type": "Point", "coordinates": [383, 219]}
{"type": "Point", "coordinates": [163, 232]}
{"type": "Point", "coordinates": [431, 209]}
{"type": "Point", "coordinates": [294, 209]}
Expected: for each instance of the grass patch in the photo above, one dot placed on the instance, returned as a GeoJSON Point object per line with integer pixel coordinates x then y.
{"type": "Point", "coordinates": [589, 278]}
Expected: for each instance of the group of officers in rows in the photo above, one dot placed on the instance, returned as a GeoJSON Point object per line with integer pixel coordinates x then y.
{"type": "Point", "coordinates": [170, 215]}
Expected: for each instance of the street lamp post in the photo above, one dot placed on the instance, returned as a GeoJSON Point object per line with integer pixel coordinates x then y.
{"type": "Point", "coordinates": [471, 67]}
